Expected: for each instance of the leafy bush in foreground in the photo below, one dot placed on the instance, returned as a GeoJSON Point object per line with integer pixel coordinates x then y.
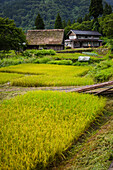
{"type": "Point", "coordinates": [102, 71]}
{"type": "Point", "coordinates": [37, 126]}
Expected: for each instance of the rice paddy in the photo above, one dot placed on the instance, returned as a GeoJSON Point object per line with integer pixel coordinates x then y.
{"type": "Point", "coordinates": [49, 75]}
{"type": "Point", "coordinates": [7, 77]}
{"type": "Point", "coordinates": [37, 126]}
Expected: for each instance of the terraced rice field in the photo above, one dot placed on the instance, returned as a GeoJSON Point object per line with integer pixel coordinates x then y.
{"type": "Point", "coordinates": [49, 75]}
{"type": "Point", "coordinates": [37, 126]}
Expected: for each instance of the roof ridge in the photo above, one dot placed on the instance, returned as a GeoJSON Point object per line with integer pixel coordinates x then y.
{"type": "Point", "coordinates": [44, 30]}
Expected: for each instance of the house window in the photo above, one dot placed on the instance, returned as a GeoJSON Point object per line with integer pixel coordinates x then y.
{"type": "Point", "coordinates": [72, 37]}
{"type": "Point", "coordinates": [96, 38]}
{"type": "Point", "coordinates": [85, 44]}
{"type": "Point", "coordinates": [96, 44]}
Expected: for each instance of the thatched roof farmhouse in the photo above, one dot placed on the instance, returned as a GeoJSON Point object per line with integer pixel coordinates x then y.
{"type": "Point", "coordinates": [48, 38]}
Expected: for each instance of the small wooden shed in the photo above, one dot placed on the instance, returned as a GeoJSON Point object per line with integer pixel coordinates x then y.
{"type": "Point", "coordinates": [48, 39]}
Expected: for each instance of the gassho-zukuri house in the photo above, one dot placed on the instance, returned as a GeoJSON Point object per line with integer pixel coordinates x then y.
{"type": "Point", "coordinates": [47, 38]}
{"type": "Point", "coordinates": [78, 39]}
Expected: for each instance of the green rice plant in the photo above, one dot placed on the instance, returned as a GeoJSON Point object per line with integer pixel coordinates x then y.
{"type": "Point", "coordinates": [8, 77]}
{"type": "Point", "coordinates": [37, 126]}
{"type": "Point", "coordinates": [67, 56]}
{"type": "Point", "coordinates": [43, 60]}
{"type": "Point", "coordinates": [74, 57]}
{"type": "Point", "coordinates": [78, 63]}
{"type": "Point", "coordinates": [38, 53]}
{"type": "Point", "coordinates": [61, 62]}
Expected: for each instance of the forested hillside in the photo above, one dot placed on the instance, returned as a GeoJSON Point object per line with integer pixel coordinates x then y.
{"type": "Point", "coordinates": [24, 12]}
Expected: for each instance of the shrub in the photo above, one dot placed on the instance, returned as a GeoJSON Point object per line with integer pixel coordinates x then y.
{"type": "Point", "coordinates": [102, 71]}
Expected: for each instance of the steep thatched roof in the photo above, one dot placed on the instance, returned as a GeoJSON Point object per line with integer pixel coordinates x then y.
{"type": "Point", "coordinates": [44, 37]}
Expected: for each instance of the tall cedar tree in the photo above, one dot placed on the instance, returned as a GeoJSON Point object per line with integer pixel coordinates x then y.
{"type": "Point", "coordinates": [64, 24]}
{"type": "Point", "coordinates": [79, 20]}
{"type": "Point", "coordinates": [69, 22]}
{"type": "Point", "coordinates": [39, 22]}
{"type": "Point", "coordinates": [58, 22]}
{"type": "Point", "coordinates": [107, 9]}
{"type": "Point", "coordinates": [86, 17]}
{"type": "Point", "coordinates": [96, 8]}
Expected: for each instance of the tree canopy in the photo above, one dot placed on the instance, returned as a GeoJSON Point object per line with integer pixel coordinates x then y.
{"type": "Point", "coordinates": [11, 37]}
{"type": "Point", "coordinates": [107, 9]}
{"type": "Point", "coordinates": [58, 22]}
{"type": "Point", "coordinates": [107, 25]}
{"type": "Point", "coordinates": [39, 23]}
{"type": "Point", "coordinates": [96, 8]}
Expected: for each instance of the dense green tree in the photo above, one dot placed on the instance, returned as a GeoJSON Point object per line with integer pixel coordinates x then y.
{"type": "Point", "coordinates": [11, 37]}
{"type": "Point", "coordinates": [96, 8]}
{"type": "Point", "coordinates": [86, 17]}
{"type": "Point", "coordinates": [85, 25]}
{"type": "Point", "coordinates": [69, 22]}
{"type": "Point", "coordinates": [64, 24]}
{"type": "Point", "coordinates": [58, 22]}
{"type": "Point", "coordinates": [107, 9]}
{"type": "Point", "coordinates": [107, 25]}
{"type": "Point", "coordinates": [96, 26]}
{"type": "Point", "coordinates": [25, 12]}
{"type": "Point", "coordinates": [79, 20]}
{"type": "Point", "coordinates": [39, 23]}
{"type": "Point", "coordinates": [73, 21]}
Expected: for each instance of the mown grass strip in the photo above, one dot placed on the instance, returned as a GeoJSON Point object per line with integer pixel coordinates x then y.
{"type": "Point", "coordinates": [38, 125]}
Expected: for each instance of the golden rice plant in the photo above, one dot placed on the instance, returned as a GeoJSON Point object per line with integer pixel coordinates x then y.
{"type": "Point", "coordinates": [51, 80]}
{"type": "Point", "coordinates": [38, 125]}
{"type": "Point", "coordinates": [46, 69]}
{"type": "Point", "coordinates": [8, 77]}
{"type": "Point", "coordinates": [49, 75]}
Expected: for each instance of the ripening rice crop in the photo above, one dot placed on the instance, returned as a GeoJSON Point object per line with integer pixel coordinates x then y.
{"type": "Point", "coordinates": [46, 81]}
{"type": "Point", "coordinates": [45, 69]}
{"type": "Point", "coordinates": [38, 125]}
{"type": "Point", "coordinates": [7, 77]}
{"type": "Point", "coordinates": [49, 75]}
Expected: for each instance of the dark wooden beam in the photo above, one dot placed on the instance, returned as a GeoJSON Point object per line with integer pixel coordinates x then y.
{"type": "Point", "coordinates": [91, 87]}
